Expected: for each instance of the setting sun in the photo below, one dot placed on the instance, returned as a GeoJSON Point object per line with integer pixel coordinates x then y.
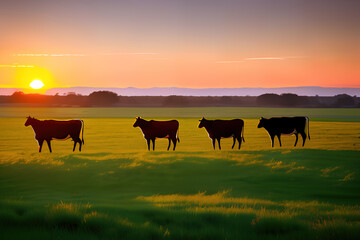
{"type": "Point", "coordinates": [36, 84]}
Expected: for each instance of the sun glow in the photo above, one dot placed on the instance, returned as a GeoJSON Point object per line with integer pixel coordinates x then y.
{"type": "Point", "coordinates": [36, 84]}
{"type": "Point", "coordinates": [33, 80]}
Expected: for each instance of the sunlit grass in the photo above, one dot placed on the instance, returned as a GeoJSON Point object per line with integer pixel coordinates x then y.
{"type": "Point", "coordinates": [221, 203]}
{"type": "Point", "coordinates": [117, 135]}
{"type": "Point", "coordinates": [116, 189]}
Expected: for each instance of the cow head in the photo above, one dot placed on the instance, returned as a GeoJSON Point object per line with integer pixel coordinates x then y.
{"type": "Point", "coordinates": [202, 122]}
{"type": "Point", "coordinates": [138, 122]}
{"type": "Point", "coordinates": [261, 122]}
{"type": "Point", "coordinates": [29, 121]}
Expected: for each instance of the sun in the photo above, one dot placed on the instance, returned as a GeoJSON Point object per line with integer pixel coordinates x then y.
{"type": "Point", "coordinates": [36, 84]}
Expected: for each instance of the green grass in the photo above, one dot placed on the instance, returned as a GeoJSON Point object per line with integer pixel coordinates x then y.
{"type": "Point", "coordinates": [116, 189]}
{"type": "Point", "coordinates": [319, 114]}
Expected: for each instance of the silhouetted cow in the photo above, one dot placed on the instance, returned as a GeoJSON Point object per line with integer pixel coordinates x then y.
{"type": "Point", "coordinates": [158, 129]}
{"type": "Point", "coordinates": [218, 129]}
{"type": "Point", "coordinates": [278, 126]}
{"type": "Point", "coordinates": [61, 130]}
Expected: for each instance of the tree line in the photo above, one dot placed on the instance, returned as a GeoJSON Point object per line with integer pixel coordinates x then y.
{"type": "Point", "coordinates": [111, 99]}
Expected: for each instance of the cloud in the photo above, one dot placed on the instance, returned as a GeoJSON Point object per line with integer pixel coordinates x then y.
{"type": "Point", "coordinates": [142, 53]}
{"type": "Point", "coordinates": [48, 55]}
{"type": "Point", "coordinates": [15, 66]}
{"type": "Point", "coordinates": [80, 54]}
{"type": "Point", "coordinates": [260, 58]}
{"type": "Point", "coordinates": [156, 59]}
{"type": "Point", "coordinates": [234, 61]}
{"type": "Point", "coordinates": [264, 58]}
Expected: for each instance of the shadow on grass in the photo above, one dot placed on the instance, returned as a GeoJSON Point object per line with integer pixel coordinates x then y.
{"type": "Point", "coordinates": [278, 194]}
{"type": "Point", "coordinates": [82, 221]}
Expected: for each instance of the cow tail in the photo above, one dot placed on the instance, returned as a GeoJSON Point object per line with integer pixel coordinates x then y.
{"type": "Point", "coordinates": [177, 135]}
{"type": "Point", "coordinates": [83, 128]}
{"type": "Point", "coordinates": [242, 133]}
{"type": "Point", "coordinates": [308, 126]}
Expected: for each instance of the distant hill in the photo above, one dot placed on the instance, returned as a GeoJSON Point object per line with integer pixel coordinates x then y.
{"type": "Point", "coordinates": [164, 91]}
{"type": "Point", "coordinates": [157, 91]}
{"type": "Point", "coordinates": [8, 91]}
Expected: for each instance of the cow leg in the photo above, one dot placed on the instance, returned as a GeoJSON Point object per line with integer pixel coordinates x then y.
{"type": "Point", "coordinates": [239, 140]}
{"type": "Point", "coordinates": [169, 144]}
{"type": "Point", "coordinates": [219, 143]}
{"type": "Point", "coordinates": [234, 138]}
{"type": "Point", "coordinates": [40, 144]}
{"type": "Point", "coordinates": [49, 144]}
{"type": "Point", "coordinates": [74, 145]}
{"type": "Point", "coordinates": [153, 141]}
{"type": "Point", "coordinates": [148, 143]}
{"type": "Point", "coordinates": [279, 139]}
{"type": "Point", "coordinates": [296, 140]}
{"type": "Point", "coordinates": [77, 140]}
{"type": "Point", "coordinates": [213, 142]}
{"type": "Point", "coordinates": [272, 140]}
{"type": "Point", "coordinates": [174, 142]}
{"type": "Point", "coordinates": [303, 135]}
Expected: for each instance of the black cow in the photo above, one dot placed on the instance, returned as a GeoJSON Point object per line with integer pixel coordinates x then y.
{"type": "Point", "coordinates": [218, 129]}
{"type": "Point", "coordinates": [50, 129]}
{"type": "Point", "coordinates": [158, 129]}
{"type": "Point", "coordinates": [278, 126]}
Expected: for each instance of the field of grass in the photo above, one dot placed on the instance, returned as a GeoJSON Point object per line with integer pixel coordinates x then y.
{"type": "Point", "coordinates": [116, 189]}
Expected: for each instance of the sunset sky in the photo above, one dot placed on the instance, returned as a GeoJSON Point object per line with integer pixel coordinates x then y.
{"type": "Point", "coordinates": [182, 43]}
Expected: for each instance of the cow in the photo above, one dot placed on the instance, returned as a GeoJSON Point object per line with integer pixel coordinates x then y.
{"type": "Point", "coordinates": [47, 130]}
{"type": "Point", "coordinates": [278, 126]}
{"type": "Point", "coordinates": [158, 129]}
{"type": "Point", "coordinates": [218, 129]}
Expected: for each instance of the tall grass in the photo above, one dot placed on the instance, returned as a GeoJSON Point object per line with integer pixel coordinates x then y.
{"type": "Point", "coordinates": [116, 189]}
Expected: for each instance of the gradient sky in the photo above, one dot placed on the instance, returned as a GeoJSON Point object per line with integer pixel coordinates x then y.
{"type": "Point", "coordinates": [182, 43]}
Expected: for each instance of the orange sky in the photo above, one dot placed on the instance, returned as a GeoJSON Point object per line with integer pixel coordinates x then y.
{"type": "Point", "coordinates": [197, 44]}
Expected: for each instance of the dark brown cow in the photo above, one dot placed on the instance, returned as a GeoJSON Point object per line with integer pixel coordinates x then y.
{"type": "Point", "coordinates": [218, 129]}
{"type": "Point", "coordinates": [158, 129]}
{"type": "Point", "coordinates": [278, 126]}
{"type": "Point", "coordinates": [47, 130]}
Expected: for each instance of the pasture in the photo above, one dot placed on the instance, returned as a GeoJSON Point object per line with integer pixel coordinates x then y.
{"type": "Point", "coordinates": [116, 189]}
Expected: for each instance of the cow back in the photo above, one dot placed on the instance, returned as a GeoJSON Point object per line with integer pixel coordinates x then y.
{"type": "Point", "coordinates": [285, 125]}
{"type": "Point", "coordinates": [160, 129]}
{"type": "Point", "coordinates": [225, 128]}
{"type": "Point", "coordinates": [50, 129]}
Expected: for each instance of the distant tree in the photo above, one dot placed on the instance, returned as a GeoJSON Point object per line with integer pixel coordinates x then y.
{"type": "Point", "coordinates": [226, 100]}
{"type": "Point", "coordinates": [268, 99]}
{"type": "Point", "coordinates": [175, 101]}
{"type": "Point", "coordinates": [312, 101]}
{"type": "Point", "coordinates": [103, 98]}
{"type": "Point", "coordinates": [18, 97]}
{"type": "Point", "coordinates": [289, 99]}
{"type": "Point", "coordinates": [344, 100]}
{"type": "Point", "coordinates": [72, 99]}
{"type": "Point", "coordinates": [229, 101]}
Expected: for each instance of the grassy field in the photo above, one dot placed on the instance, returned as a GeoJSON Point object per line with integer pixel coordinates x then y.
{"type": "Point", "coordinates": [116, 189]}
